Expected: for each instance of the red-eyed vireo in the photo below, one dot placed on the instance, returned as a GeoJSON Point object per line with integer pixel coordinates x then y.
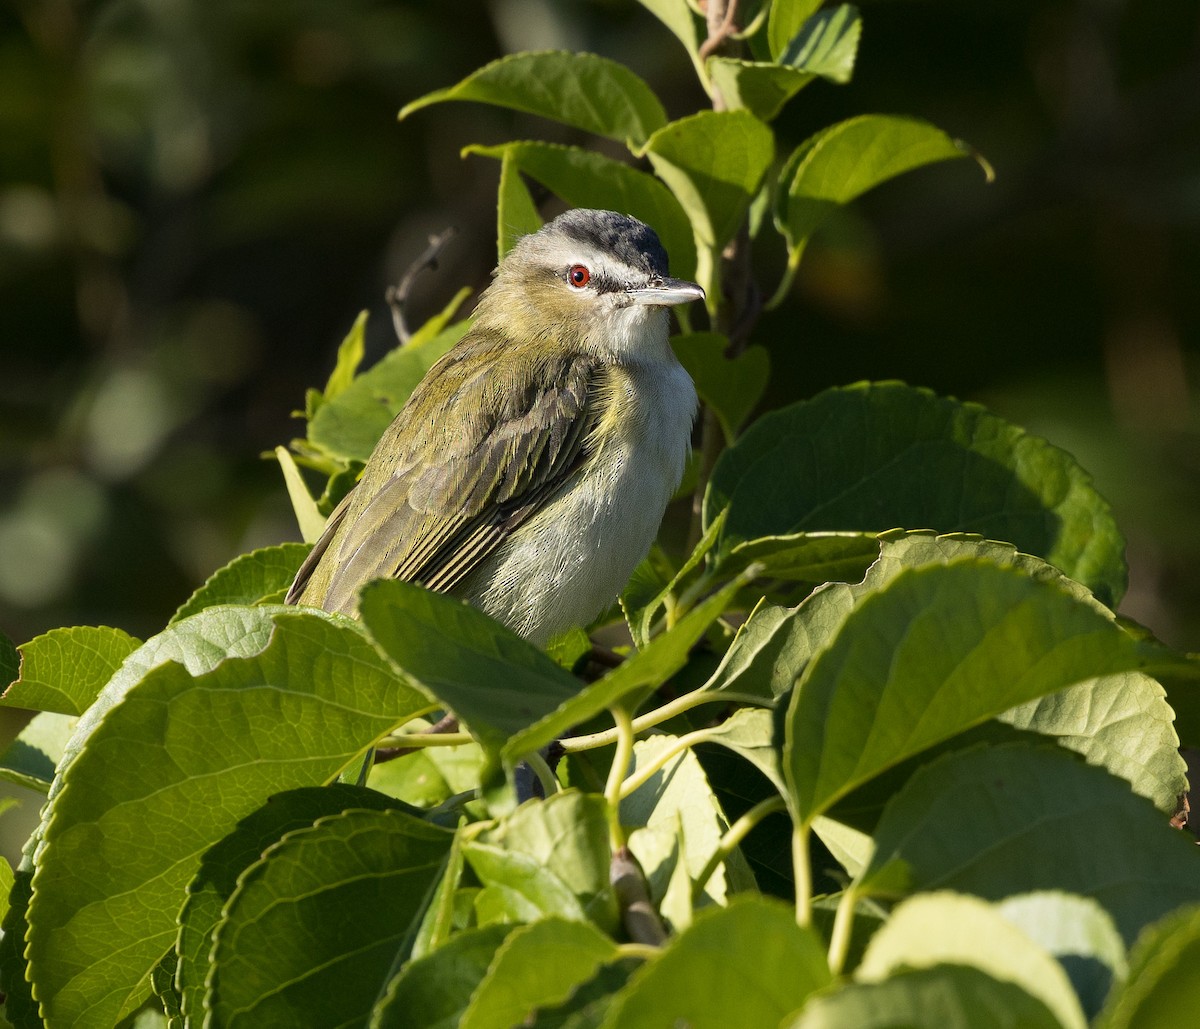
{"type": "Point", "coordinates": [530, 469]}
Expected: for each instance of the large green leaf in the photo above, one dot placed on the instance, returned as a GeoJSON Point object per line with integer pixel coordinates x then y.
{"type": "Point", "coordinates": [222, 865]}
{"type": "Point", "coordinates": [1079, 933]}
{"type": "Point", "coordinates": [1121, 721]}
{"type": "Point", "coordinates": [589, 92]}
{"type": "Point", "coordinates": [168, 769]}
{"type": "Point", "coordinates": [745, 965]}
{"type": "Point", "coordinates": [538, 966]}
{"type": "Point", "coordinates": [65, 669]}
{"type": "Point", "coordinates": [348, 426]}
{"type": "Point", "coordinates": [946, 928]}
{"type": "Point", "coordinates": [10, 661]}
{"type": "Point", "coordinates": [260, 575]}
{"type": "Point", "coordinates": [1002, 820]}
{"type": "Point", "coordinates": [929, 653]}
{"type": "Point", "coordinates": [951, 996]}
{"type": "Point", "coordinates": [677, 15]}
{"type": "Point", "coordinates": [547, 858]}
{"type": "Point", "coordinates": [314, 926]}
{"type": "Point", "coordinates": [584, 178]}
{"type": "Point", "coordinates": [1160, 992]}
{"type": "Point", "coordinates": [871, 457]}
{"type": "Point", "coordinates": [842, 162]}
{"type": "Point", "coordinates": [433, 991]}
{"type": "Point", "coordinates": [496, 682]}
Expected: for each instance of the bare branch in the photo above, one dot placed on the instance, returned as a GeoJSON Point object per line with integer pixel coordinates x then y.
{"type": "Point", "coordinates": [397, 295]}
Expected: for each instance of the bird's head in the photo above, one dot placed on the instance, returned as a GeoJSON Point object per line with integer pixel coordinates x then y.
{"type": "Point", "coordinates": [597, 279]}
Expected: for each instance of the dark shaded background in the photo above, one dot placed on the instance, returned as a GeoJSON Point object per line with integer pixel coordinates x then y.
{"type": "Point", "coordinates": [198, 196]}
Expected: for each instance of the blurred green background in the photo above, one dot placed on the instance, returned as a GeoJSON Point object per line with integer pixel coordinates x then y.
{"type": "Point", "coordinates": [198, 196]}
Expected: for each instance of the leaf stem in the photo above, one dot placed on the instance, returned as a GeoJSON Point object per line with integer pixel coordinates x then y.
{"type": "Point", "coordinates": [802, 871]}
{"type": "Point", "coordinates": [839, 937]}
{"type": "Point", "coordinates": [546, 776]}
{"type": "Point", "coordinates": [789, 276]}
{"type": "Point", "coordinates": [616, 774]}
{"type": "Point", "coordinates": [420, 740]}
{"type": "Point", "coordinates": [645, 774]}
{"type": "Point", "coordinates": [733, 838]}
{"type": "Point", "coordinates": [678, 706]}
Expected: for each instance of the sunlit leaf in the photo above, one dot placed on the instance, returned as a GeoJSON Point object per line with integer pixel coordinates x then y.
{"type": "Point", "coordinates": [65, 669]}
{"type": "Point", "coordinates": [785, 20]}
{"type": "Point", "coordinates": [872, 457]}
{"type": "Point", "coordinates": [516, 213]}
{"type": "Point", "coordinates": [248, 579]}
{"type": "Point", "coordinates": [589, 92]}
{"type": "Point", "coordinates": [946, 928]}
{"type": "Point", "coordinates": [119, 846]}
{"type": "Point", "coordinates": [1001, 820]}
{"type": "Point", "coordinates": [316, 924]}
{"type": "Point", "coordinates": [1160, 991]}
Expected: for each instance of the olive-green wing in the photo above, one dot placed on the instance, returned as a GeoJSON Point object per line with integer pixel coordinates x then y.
{"type": "Point", "coordinates": [485, 441]}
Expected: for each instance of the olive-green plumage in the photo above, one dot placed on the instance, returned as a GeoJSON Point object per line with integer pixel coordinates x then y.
{"type": "Point", "coordinates": [530, 468]}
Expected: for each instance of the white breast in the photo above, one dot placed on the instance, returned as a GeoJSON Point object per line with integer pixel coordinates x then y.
{"type": "Point", "coordinates": [568, 563]}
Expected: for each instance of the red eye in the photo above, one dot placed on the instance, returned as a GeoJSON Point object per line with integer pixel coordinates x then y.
{"type": "Point", "coordinates": [578, 276]}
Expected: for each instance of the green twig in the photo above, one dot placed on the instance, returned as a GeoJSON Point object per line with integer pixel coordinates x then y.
{"type": "Point", "coordinates": [839, 937]}
{"type": "Point", "coordinates": [616, 774]}
{"type": "Point", "coordinates": [678, 706]}
{"type": "Point", "coordinates": [802, 871]}
{"type": "Point", "coordinates": [545, 774]}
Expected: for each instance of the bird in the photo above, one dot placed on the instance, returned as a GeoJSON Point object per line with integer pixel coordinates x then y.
{"type": "Point", "coordinates": [529, 471]}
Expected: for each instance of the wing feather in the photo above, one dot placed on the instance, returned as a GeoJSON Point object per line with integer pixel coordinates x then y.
{"type": "Point", "coordinates": [494, 430]}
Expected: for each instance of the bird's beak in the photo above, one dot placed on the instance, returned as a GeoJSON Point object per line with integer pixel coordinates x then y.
{"type": "Point", "coordinates": [666, 293]}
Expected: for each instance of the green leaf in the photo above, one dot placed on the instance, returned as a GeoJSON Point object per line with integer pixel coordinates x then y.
{"type": "Point", "coordinates": [756, 86]}
{"type": "Point", "coordinates": [750, 732]}
{"type": "Point", "coordinates": [945, 928]}
{"type": "Point", "coordinates": [433, 991]}
{"type": "Point", "coordinates": [1121, 722]}
{"type": "Point", "coordinates": [1081, 936]}
{"type": "Point", "coordinates": [729, 386]}
{"type": "Point", "coordinates": [679, 800]}
{"type": "Point", "coordinates": [547, 858]}
{"type": "Point", "coordinates": [842, 162]}
{"type": "Point", "coordinates": [745, 965]}
{"type": "Point", "coordinates": [584, 178]}
{"type": "Point", "coordinates": [10, 661]}
{"type": "Point", "coordinates": [349, 426]}
{"type": "Point", "coordinates": [65, 669]}
{"type": "Point", "coordinates": [20, 1008]}
{"type": "Point", "coordinates": [872, 457]}
{"type": "Point", "coordinates": [308, 516]}
{"type": "Point", "coordinates": [248, 579]}
{"type": "Point", "coordinates": [589, 92]}
{"type": "Point", "coordinates": [315, 925]}
{"type": "Point", "coordinates": [942, 997]}
{"type": "Point", "coordinates": [496, 682]}
{"type": "Point", "coordinates": [826, 47]}
{"type": "Point", "coordinates": [121, 841]}
{"type": "Point", "coordinates": [222, 864]}
{"type": "Point", "coordinates": [677, 16]}
{"type": "Point", "coordinates": [349, 357]}
{"type": "Point", "coordinates": [826, 44]}
{"type": "Point", "coordinates": [629, 681]}
{"type": "Point", "coordinates": [516, 213]}
{"type": "Point", "coordinates": [714, 162]}
{"type": "Point", "coordinates": [1161, 989]}
{"type": "Point", "coordinates": [815, 557]}
{"type": "Point", "coordinates": [930, 653]}
{"type": "Point", "coordinates": [1003, 820]}
{"type": "Point", "coordinates": [31, 759]}
{"type": "Point", "coordinates": [537, 966]}
{"type": "Point", "coordinates": [785, 20]}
